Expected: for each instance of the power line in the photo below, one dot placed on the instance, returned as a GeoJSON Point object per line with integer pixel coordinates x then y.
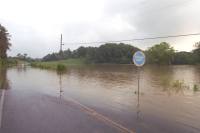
{"type": "Point", "coordinates": [137, 39]}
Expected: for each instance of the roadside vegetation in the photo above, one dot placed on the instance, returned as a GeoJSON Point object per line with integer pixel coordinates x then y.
{"type": "Point", "coordinates": [59, 65]}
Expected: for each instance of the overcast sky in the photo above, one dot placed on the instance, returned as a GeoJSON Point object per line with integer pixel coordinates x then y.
{"type": "Point", "coordinates": [36, 25]}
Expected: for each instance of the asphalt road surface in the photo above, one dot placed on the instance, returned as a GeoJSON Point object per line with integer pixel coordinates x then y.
{"type": "Point", "coordinates": [25, 112]}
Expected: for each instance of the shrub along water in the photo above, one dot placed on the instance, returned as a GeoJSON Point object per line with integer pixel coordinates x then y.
{"type": "Point", "coordinates": [61, 67]}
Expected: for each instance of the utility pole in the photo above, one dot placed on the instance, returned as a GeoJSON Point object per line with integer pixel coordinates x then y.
{"type": "Point", "coordinates": [61, 43]}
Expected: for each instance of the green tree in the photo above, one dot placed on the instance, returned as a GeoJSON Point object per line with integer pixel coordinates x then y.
{"type": "Point", "coordinates": [25, 56]}
{"type": "Point", "coordinates": [19, 55]}
{"type": "Point", "coordinates": [81, 51]}
{"type": "Point", "coordinates": [183, 58]}
{"type": "Point", "coordinates": [4, 42]}
{"type": "Point", "coordinates": [107, 53]}
{"type": "Point", "coordinates": [67, 54]}
{"type": "Point", "coordinates": [115, 53]}
{"type": "Point", "coordinates": [196, 52]}
{"type": "Point", "coordinates": [161, 53]}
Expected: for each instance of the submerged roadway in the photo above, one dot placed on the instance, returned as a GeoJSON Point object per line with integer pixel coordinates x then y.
{"type": "Point", "coordinates": [24, 112]}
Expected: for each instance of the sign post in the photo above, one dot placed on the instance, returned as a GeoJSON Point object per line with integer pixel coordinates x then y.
{"type": "Point", "coordinates": [139, 60]}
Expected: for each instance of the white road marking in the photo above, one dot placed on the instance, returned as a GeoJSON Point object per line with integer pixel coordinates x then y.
{"type": "Point", "coordinates": [1, 106]}
{"type": "Point", "coordinates": [101, 117]}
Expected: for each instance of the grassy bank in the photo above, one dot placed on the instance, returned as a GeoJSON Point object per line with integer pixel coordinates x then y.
{"type": "Point", "coordinates": [59, 65]}
{"type": "Point", "coordinates": [10, 62]}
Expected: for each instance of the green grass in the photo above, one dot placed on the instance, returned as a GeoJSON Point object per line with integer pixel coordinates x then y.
{"type": "Point", "coordinates": [79, 61]}
{"type": "Point", "coordinates": [10, 62]}
{"type": "Point", "coordinates": [59, 65]}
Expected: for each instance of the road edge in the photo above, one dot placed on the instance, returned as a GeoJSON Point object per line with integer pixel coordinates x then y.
{"type": "Point", "coordinates": [1, 106]}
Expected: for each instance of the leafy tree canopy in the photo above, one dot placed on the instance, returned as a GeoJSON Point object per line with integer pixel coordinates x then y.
{"type": "Point", "coordinates": [4, 42]}
{"type": "Point", "coordinates": [161, 53]}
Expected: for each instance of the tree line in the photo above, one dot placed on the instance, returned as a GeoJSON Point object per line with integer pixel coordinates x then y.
{"type": "Point", "coordinates": [163, 53]}
{"type": "Point", "coordinates": [122, 53]}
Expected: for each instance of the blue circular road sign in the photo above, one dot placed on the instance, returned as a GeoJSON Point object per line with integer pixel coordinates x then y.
{"type": "Point", "coordinates": [139, 58]}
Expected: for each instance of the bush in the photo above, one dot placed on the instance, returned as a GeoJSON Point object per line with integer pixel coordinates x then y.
{"type": "Point", "coordinates": [195, 88]}
{"type": "Point", "coordinates": [61, 67]}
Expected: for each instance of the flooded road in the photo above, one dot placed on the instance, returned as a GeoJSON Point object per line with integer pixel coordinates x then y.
{"type": "Point", "coordinates": [166, 103]}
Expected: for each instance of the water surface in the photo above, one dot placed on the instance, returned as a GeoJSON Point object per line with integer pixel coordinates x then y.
{"type": "Point", "coordinates": [112, 90]}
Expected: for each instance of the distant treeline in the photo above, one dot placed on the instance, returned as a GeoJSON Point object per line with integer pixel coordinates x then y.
{"type": "Point", "coordinates": [122, 53]}
{"type": "Point", "coordinates": [107, 53]}
{"type": "Point", "coordinates": [163, 53]}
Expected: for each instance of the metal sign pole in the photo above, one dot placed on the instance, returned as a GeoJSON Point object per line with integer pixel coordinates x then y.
{"type": "Point", "coordinates": [138, 86]}
{"type": "Point", "coordinates": [139, 61]}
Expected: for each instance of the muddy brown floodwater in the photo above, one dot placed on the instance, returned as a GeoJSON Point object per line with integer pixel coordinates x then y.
{"type": "Point", "coordinates": [166, 103]}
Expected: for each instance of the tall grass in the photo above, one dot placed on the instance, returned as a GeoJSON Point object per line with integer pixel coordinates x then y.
{"type": "Point", "coordinates": [8, 62]}
{"type": "Point", "coordinates": [58, 65]}
{"type": "Point", "coordinates": [61, 67]}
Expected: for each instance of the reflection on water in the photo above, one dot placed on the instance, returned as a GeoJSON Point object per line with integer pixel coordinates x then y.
{"type": "Point", "coordinates": [138, 106]}
{"type": "Point", "coordinates": [159, 105]}
{"type": "Point", "coordinates": [21, 68]}
{"type": "Point", "coordinates": [4, 83]}
{"type": "Point", "coordinates": [138, 96]}
{"type": "Point", "coordinates": [60, 74]}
